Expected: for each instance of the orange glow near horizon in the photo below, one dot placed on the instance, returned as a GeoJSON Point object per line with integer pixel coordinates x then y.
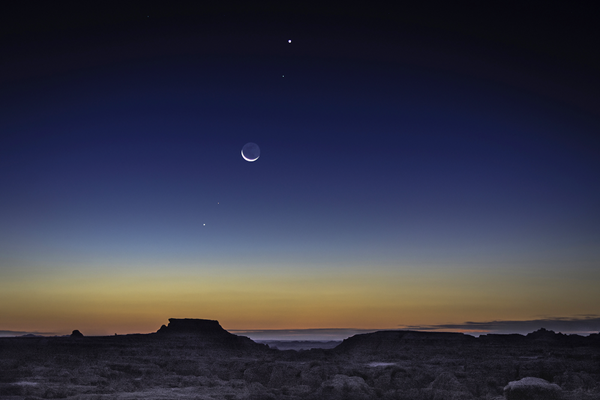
{"type": "Point", "coordinates": [99, 304]}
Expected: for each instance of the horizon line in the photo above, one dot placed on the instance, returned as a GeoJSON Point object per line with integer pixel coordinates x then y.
{"type": "Point", "coordinates": [582, 324]}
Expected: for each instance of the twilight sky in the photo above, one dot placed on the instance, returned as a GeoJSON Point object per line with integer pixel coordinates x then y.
{"type": "Point", "coordinates": [422, 169]}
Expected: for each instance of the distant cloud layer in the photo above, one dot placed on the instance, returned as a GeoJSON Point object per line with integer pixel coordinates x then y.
{"type": "Point", "coordinates": [581, 324]}
{"type": "Point", "coordinates": [21, 333]}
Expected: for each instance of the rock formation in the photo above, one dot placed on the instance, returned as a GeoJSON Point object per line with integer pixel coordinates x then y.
{"type": "Point", "coordinates": [532, 389]}
{"type": "Point", "coordinates": [343, 387]}
{"type": "Point", "coordinates": [192, 326]}
{"type": "Point", "coordinates": [76, 334]}
{"type": "Point", "coordinates": [208, 332]}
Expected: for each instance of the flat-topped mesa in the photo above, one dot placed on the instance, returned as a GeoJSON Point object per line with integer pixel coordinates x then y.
{"type": "Point", "coordinates": [192, 326]}
{"type": "Point", "coordinates": [206, 333]}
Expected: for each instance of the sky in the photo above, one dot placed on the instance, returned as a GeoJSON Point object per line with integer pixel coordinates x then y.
{"type": "Point", "coordinates": [431, 169]}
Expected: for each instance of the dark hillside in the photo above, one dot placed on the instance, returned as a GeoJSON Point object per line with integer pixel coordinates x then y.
{"type": "Point", "coordinates": [383, 342]}
{"type": "Point", "coordinates": [193, 359]}
{"type": "Point", "coordinates": [386, 341]}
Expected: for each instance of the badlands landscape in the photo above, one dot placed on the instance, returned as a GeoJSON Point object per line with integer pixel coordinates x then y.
{"type": "Point", "coordinates": [198, 359]}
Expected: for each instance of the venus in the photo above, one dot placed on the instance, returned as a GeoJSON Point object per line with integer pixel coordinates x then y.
{"type": "Point", "coordinates": [250, 152]}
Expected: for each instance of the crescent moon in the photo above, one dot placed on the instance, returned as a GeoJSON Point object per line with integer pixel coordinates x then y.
{"type": "Point", "coordinates": [252, 152]}
{"type": "Point", "coordinates": [248, 159]}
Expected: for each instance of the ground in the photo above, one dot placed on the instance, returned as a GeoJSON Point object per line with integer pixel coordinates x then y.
{"type": "Point", "coordinates": [187, 367]}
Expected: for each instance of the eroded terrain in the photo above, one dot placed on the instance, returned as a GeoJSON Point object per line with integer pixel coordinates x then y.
{"type": "Point", "coordinates": [364, 367]}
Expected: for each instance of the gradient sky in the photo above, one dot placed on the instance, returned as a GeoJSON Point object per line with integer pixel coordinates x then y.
{"type": "Point", "coordinates": [415, 171]}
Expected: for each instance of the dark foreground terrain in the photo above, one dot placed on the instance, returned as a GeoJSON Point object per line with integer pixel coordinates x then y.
{"type": "Point", "coordinates": [197, 359]}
